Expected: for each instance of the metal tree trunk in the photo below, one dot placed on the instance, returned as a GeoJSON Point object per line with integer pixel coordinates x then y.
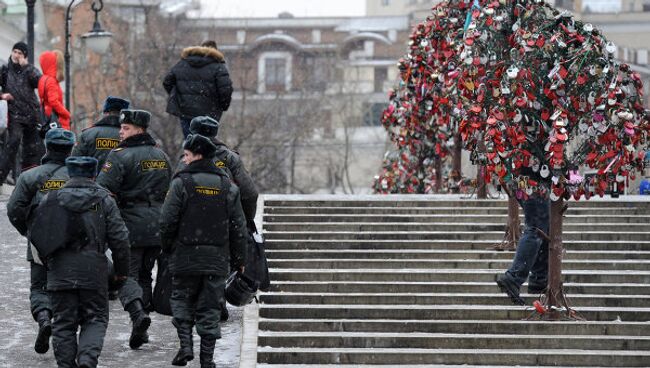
{"type": "Point", "coordinates": [438, 164]}
{"type": "Point", "coordinates": [555, 293]}
{"type": "Point", "coordinates": [457, 155]}
{"type": "Point", "coordinates": [481, 186]}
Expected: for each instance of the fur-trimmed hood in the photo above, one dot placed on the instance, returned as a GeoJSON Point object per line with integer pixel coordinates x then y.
{"type": "Point", "coordinates": [52, 64]}
{"type": "Point", "coordinates": [203, 52]}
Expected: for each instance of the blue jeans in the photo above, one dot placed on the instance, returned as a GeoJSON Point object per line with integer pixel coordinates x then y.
{"type": "Point", "coordinates": [185, 125]}
{"type": "Point", "coordinates": [531, 258]}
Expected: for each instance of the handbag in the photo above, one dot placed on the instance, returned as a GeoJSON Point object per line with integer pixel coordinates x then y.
{"type": "Point", "coordinates": [257, 267]}
{"type": "Point", "coordinates": [162, 292]}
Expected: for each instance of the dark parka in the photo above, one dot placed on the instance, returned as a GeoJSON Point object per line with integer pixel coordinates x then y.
{"type": "Point", "coordinates": [98, 141]}
{"type": "Point", "coordinates": [21, 81]}
{"type": "Point", "coordinates": [199, 84]}
{"type": "Point", "coordinates": [231, 163]}
{"type": "Point", "coordinates": [138, 174]}
{"type": "Point", "coordinates": [211, 258]}
{"type": "Point", "coordinates": [81, 265]}
{"type": "Point", "coordinates": [32, 186]}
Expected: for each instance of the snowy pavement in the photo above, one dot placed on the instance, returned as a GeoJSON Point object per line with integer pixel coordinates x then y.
{"type": "Point", "coordinates": [18, 330]}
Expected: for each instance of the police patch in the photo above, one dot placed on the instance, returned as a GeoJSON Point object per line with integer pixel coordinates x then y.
{"type": "Point", "coordinates": [107, 166]}
{"type": "Point", "coordinates": [208, 191]}
{"type": "Point", "coordinates": [106, 143]}
{"type": "Point", "coordinates": [52, 185]}
{"type": "Point", "coordinates": [220, 164]}
{"type": "Point", "coordinates": [149, 165]}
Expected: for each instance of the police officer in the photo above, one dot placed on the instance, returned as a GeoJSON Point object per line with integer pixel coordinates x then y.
{"type": "Point", "coordinates": [98, 140]}
{"type": "Point", "coordinates": [203, 227]}
{"type": "Point", "coordinates": [138, 174]}
{"type": "Point", "coordinates": [77, 274]}
{"type": "Point", "coordinates": [230, 161]}
{"type": "Point", "coordinates": [32, 185]}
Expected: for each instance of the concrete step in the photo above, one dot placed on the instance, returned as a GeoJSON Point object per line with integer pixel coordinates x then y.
{"type": "Point", "coordinates": [496, 264]}
{"type": "Point", "coordinates": [444, 287]}
{"type": "Point", "coordinates": [447, 235]}
{"type": "Point", "coordinates": [423, 201]}
{"type": "Point", "coordinates": [441, 217]}
{"type": "Point", "coordinates": [444, 244]}
{"type": "Point", "coordinates": [441, 254]}
{"type": "Point", "coordinates": [370, 326]}
{"type": "Point", "coordinates": [442, 210]}
{"type": "Point", "coordinates": [447, 275]}
{"type": "Point", "coordinates": [360, 227]}
{"type": "Point", "coordinates": [420, 340]}
{"type": "Point", "coordinates": [438, 298]}
{"type": "Point", "coordinates": [400, 356]}
{"type": "Point", "coordinates": [452, 312]}
{"type": "Point", "coordinates": [265, 365]}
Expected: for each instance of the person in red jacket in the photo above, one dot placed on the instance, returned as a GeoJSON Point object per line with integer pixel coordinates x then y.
{"type": "Point", "coordinates": [49, 89]}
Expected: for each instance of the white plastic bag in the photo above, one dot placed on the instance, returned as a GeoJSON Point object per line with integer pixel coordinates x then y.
{"type": "Point", "coordinates": [4, 114]}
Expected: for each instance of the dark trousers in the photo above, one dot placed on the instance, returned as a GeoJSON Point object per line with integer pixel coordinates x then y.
{"type": "Point", "coordinates": [138, 285]}
{"type": "Point", "coordinates": [185, 126]}
{"type": "Point", "coordinates": [72, 309]}
{"type": "Point", "coordinates": [33, 148]}
{"type": "Point", "coordinates": [531, 257]}
{"type": "Point", "coordinates": [196, 300]}
{"type": "Point", "coordinates": [39, 299]}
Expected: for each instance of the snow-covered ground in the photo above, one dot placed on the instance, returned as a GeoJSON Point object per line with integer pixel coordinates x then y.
{"type": "Point", "coordinates": [18, 330]}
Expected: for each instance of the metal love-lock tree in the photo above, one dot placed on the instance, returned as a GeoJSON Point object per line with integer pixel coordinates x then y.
{"type": "Point", "coordinates": [423, 113]}
{"type": "Point", "coordinates": [564, 103]}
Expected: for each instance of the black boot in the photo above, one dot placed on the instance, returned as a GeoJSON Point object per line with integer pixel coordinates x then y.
{"type": "Point", "coordinates": [42, 344]}
{"type": "Point", "coordinates": [207, 352]}
{"type": "Point", "coordinates": [140, 321]}
{"type": "Point", "coordinates": [224, 313]}
{"type": "Point", "coordinates": [186, 351]}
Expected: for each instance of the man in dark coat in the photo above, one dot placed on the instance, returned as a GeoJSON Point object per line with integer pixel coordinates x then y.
{"type": "Point", "coordinates": [199, 84]}
{"type": "Point", "coordinates": [77, 275]}
{"type": "Point", "coordinates": [138, 174]}
{"type": "Point", "coordinates": [30, 189]}
{"type": "Point", "coordinates": [203, 227]}
{"type": "Point", "coordinates": [230, 161]}
{"type": "Point", "coordinates": [98, 140]}
{"type": "Point", "coordinates": [18, 80]}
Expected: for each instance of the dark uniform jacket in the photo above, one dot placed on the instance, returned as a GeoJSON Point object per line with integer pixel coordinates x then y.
{"type": "Point", "coordinates": [229, 160]}
{"type": "Point", "coordinates": [199, 84]}
{"type": "Point", "coordinates": [97, 141]}
{"type": "Point", "coordinates": [83, 264]}
{"type": "Point", "coordinates": [202, 223]}
{"type": "Point", "coordinates": [30, 189]}
{"type": "Point", "coordinates": [21, 81]}
{"type": "Point", "coordinates": [138, 174]}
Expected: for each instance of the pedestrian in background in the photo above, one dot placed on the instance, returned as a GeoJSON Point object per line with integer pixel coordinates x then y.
{"type": "Point", "coordinates": [198, 85]}
{"type": "Point", "coordinates": [50, 91]}
{"type": "Point", "coordinates": [18, 79]}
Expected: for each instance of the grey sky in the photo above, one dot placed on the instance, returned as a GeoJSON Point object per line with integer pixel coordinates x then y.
{"type": "Point", "coordinates": [271, 8]}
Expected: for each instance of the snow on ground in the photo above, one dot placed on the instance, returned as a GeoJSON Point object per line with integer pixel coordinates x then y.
{"type": "Point", "coordinates": [18, 330]}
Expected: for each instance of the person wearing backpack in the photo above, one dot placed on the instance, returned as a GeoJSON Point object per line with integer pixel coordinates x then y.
{"type": "Point", "coordinates": [18, 79]}
{"type": "Point", "coordinates": [89, 223]}
{"type": "Point", "coordinates": [203, 228]}
{"type": "Point", "coordinates": [49, 89]}
{"type": "Point", "coordinates": [30, 189]}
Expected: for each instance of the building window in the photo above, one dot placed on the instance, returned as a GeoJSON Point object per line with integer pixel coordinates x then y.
{"type": "Point", "coordinates": [274, 72]}
{"type": "Point", "coordinates": [318, 73]}
{"type": "Point", "coordinates": [372, 113]}
{"type": "Point", "coordinates": [381, 74]}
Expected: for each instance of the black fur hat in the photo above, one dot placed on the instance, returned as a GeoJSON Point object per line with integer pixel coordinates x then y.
{"type": "Point", "coordinates": [199, 144]}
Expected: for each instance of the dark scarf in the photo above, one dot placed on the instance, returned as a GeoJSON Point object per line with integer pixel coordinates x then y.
{"type": "Point", "coordinates": [205, 165]}
{"type": "Point", "coordinates": [109, 120]}
{"type": "Point", "coordinates": [144, 139]}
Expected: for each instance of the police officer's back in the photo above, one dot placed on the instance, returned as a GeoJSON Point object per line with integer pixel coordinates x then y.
{"type": "Point", "coordinates": [98, 140]}
{"type": "Point", "coordinates": [203, 227]}
{"type": "Point", "coordinates": [32, 185]}
{"type": "Point", "coordinates": [138, 174]}
{"type": "Point", "coordinates": [77, 276]}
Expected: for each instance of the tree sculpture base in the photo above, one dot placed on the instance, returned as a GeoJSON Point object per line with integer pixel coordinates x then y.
{"type": "Point", "coordinates": [513, 228]}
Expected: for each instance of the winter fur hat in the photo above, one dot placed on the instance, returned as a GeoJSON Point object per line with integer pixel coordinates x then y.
{"type": "Point", "coordinates": [204, 125]}
{"type": "Point", "coordinates": [115, 104]}
{"type": "Point", "coordinates": [199, 144]}
{"type": "Point", "coordinates": [59, 137]}
{"type": "Point", "coordinates": [84, 166]}
{"type": "Point", "coordinates": [139, 118]}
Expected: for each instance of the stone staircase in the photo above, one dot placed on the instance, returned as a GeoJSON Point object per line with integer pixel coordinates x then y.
{"type": "Point", "coordinates": [409, 281]}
